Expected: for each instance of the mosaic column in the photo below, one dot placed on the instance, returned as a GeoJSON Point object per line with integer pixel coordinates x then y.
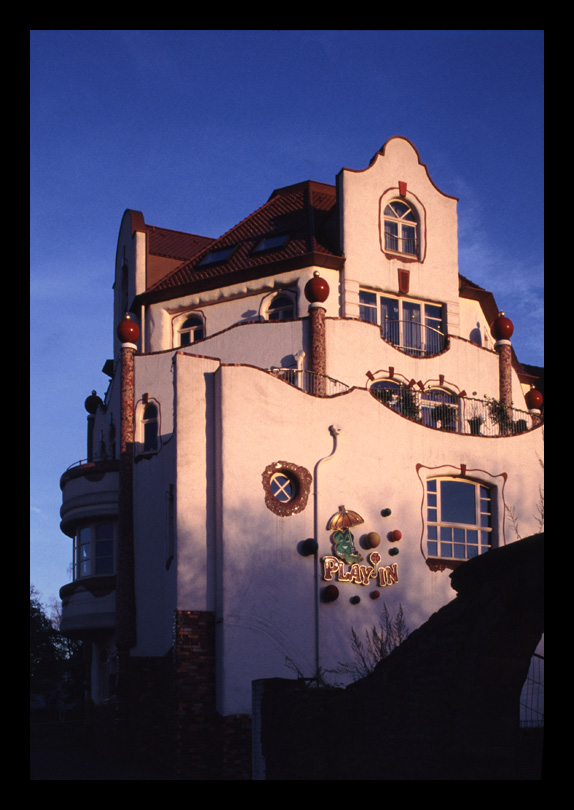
{"type": "Point", "coordinates": [317, 292]}
{"type": "Point", "coordinates": [502, 329]}
{"type": "Point", "coordinates": [128, 333]}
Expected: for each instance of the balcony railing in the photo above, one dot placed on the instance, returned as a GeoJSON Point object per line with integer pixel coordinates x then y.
{"type": "Point", "coordinates": [412, 337]}
{"type": "Point", "coordinates": [319, 385]}
{"type": "Point", "coordinates": [455, 414]}
{"type": "Point", "coordinates": [401, 244]}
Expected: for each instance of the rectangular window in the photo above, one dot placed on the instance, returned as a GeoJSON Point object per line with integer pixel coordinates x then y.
{"type": "Point", "coordinates": [415, 327]}
{"type": "Point", "coordinates": [94, 550]}
{"type": "Point", "coordinates": [459, 518]}
{"type": "Point", "coordinates": [367, 306]}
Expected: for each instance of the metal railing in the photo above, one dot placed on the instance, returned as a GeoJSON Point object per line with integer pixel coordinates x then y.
{"type": "Point", "coordinates": [412, 337]}
{"type": "Point", "coordinates": [312, 383]}
{"type": "Point", "coordinates": [401, 244]}
{"type": "Point", "coordinates": [455, 414]}
{"type": "Point", "coordinates": [532, 695]}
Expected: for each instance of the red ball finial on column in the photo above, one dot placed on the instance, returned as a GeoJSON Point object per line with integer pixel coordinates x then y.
{"type": "Point", "coordinates": [128, 331]}
{"type": "Point", "coordinates": [316, 289]}
{"type": "Point", "coordinates": [534, 399]}
{"type": "Point", "coordinates": [502, 327]}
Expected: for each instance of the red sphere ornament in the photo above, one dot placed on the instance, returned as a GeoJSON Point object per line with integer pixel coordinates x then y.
{"type": "Point", "coordinates": [316, 289]}
{"type": "Point", "coordinates": [502, 328]}
{"type": "Point", "coordinates": [396, 535]}
{"type": "Point", "coordinates": [92, 402]}
{"type": "Point", "coordinates": [331, 593]}
{"type": "Point", "coordinates": [534, 399]}
{"type": "Point", "coordinates": [128, 331]}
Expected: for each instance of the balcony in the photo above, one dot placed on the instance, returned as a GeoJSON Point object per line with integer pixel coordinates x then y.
{"type": "Point", "coordinates": [90, 490]}
{"type": "Point", "coordinates": [444, 411]}
{"type": "Point", "coordinates": [319, 385]}
{"type": "Point", "coordinates": [88, 606]}
{"type": "Point", "coordinates": [414, 338]}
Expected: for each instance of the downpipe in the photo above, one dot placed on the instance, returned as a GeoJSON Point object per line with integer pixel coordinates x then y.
{"type": "Point", "coordinates": [334, 430]}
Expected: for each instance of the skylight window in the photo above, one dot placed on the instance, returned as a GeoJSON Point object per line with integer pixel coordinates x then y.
{"type": "Point", "coordinates": [271, 243]}
{"type": "Point", "coordinates": [217, 255]}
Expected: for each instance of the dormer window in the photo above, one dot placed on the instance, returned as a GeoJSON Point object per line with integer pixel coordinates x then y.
{"type": "Point", "coordinates": [271, 243]}
{"type": "Point", "coordinates": [400, 224]}
{"type": "Point", "coordinates": [219, 255]}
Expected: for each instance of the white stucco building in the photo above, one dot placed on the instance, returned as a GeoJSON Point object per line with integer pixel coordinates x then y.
{"type": "Point", "coordinates": [320, 369]}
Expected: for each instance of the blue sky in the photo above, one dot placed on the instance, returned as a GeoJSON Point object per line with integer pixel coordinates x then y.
{"type": "Point", "coordinates": [196, 128]}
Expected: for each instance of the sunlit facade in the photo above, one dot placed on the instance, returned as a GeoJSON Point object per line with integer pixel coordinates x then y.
{"type": "Point", "coordinates": [309, 417]}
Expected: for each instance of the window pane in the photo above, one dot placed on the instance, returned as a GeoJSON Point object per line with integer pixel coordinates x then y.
{"type": "Point", "coordinates": [104, 548]}
{"type": "Point", "coordinates": [105, 565]}
{"type": "Point", "coordinates": [282, 487]}
{"type": "Point", "coordinates": [389, 309]}
{"type": "Point", "coordinates": [458, 502]}
{"type": "Point", "coordinates": [368, 298]}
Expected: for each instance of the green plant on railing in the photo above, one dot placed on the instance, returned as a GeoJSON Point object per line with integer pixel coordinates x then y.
{"type": "Point", "coordinates": [409, 404]}
{"type": "Point", "coordinates": [500, 414]}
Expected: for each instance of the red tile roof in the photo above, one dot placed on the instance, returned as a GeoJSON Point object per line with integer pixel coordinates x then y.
{"type": "Point", "coordinates": [175, 244]}
{"type": "Point", "coordinates": [306, 212]}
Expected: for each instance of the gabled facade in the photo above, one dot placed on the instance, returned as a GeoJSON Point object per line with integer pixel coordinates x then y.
{"type": "Point", "coordinates": [308, 417]}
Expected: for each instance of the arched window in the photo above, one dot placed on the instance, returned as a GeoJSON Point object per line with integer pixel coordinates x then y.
{"type": "Point", "coordinates": [401, 228]}
{"type": "Point", "coordinates": [388, 392]}
{"type": "Point", "coordinates": [191, 330]}
{"type": "Point", "coordinates": [281, 308]}
{"type": "Point", "coordinates": [150, 428]}
{"type": "Point", "coordinates": [399, 398]}
{"type": "Point", "coordinates": [459, 518]}
{"type": "Point", "coordinates": [439, 408]}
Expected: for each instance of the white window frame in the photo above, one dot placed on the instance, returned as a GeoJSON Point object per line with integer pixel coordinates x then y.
{"type": "Point", "coordinates": [400, 336]}
{"type": "Point", "coordinates": [267, 306]}
{"type": "Point", "coordinates": [403, 222]}
{"type": "Point", "coordinates": [462, 539]}
{"type": "Point", "coordinates": [190, 331]}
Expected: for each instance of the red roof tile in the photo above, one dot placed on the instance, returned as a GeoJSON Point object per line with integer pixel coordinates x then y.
{"type": "Point", "coordinates": [306, 212]}
{"type": "Point", "coordinates": [175, 244]}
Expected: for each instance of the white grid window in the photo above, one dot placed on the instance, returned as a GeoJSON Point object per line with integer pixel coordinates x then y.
{"type": "Point", "coordinates": [459, 518]}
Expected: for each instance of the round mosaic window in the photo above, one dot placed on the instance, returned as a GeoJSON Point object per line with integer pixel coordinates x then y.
{"type": "Point", "coordinates": [286, 487]}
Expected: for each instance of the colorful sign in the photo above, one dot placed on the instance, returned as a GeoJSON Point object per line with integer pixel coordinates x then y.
{"type": "Point", "coordinates": [335, 569]}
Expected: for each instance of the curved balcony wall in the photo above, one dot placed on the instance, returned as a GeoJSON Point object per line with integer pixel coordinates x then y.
{"type": "Point", "coordinates": [88, 606]}
{"type": "Point", "coordinates": [90, 491]}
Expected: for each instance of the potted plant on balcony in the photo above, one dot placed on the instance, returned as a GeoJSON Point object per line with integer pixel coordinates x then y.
{"type": "Point", "coordinates": [444, 416]}
{"type": "Point", "coordinates": [475, 423]}
{"type": "Point", "coordinates": [500, 414]}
